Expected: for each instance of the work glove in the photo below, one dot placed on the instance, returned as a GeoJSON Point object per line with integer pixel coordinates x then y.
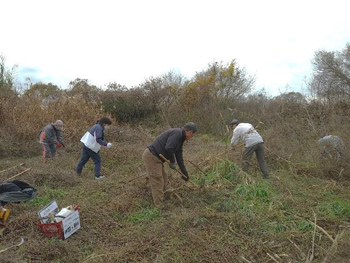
{"type": "Point", "coordinates": [58, 144]}
{"type": "Point", "coordinates": [63, 144]}
{"type": "Point", "coordinates": [109, 145]}
{"type": "Point", "coordinates": [172, 165]}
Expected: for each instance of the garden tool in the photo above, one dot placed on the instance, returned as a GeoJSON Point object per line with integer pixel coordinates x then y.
{"type": "Point", "coordinates": [177, 170]}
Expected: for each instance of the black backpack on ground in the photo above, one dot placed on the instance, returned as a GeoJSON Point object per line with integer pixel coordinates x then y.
{"type": "Point", "coordinates": [16, 191]}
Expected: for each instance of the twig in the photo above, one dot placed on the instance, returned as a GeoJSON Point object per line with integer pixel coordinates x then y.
{"type": "Point", "coordinates": [174, 189]}
{"type": "Point", "coordinates": [320, 228]}
{"type": "Point", "coordinates": [11, 168]}
{"type": "Point", "coordinates": [178, 197]}
{"type": "Point", "coordinates": [17, 245]}
{"type": "Point", "coordinates": [221, 237]}
{"type": "Point", "coordinates": [341, 171]}
{"type": "Point", "coordinates": [100, 256]}
{"type": "Point", "coordinates": [234, 232]}
{"type": "Point", "coordinates": [334, 245]}
{"type": "Point", "coordinates": [272, 257]}
{"type": "Point", "coordinates": [18, 174]}
{"type": "Point", "coordinates": [309, 259]}
{"type": "Point", "coordinates": [245, 260]}
{"type": "Point", "coordinates": [298, 248]}
{"type": "Point", "coordinates": [137, 177]}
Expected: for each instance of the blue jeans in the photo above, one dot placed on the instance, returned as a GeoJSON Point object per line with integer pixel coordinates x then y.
{"type": "Point", "coordinates": [86, 155]}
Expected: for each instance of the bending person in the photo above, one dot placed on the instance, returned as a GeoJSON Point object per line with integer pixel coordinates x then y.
{"type": "Point", "coordinates": [253, 142]}
{"type": "Point", "coordinates": [332, 146]}
{"type": "Point", "coordinates": [50, 138]}
{"type": "Point", "coordinates": [169, 144]}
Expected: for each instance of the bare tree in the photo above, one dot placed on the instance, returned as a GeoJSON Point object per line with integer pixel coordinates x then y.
{"type": "Point", "coordinates": [331, 76]}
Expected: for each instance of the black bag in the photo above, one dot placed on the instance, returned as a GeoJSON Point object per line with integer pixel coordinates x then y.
{"type": "Point", "coordinates": [16, 191]}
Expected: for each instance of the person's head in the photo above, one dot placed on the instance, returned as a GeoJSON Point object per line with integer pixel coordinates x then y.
{"type": "Point", "coordinates": [234, 123]}
{"type": "Point", "coordinates": [105, 121]}
{"type": "Point", "coordinates": [58, 125]}
{"type": "Point", "coordinates": [190, 129]}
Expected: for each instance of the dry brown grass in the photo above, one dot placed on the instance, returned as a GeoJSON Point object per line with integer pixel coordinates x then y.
{"type": "Point", "coordinates": [208, 224]}
{"type": "Point", "coordinates": [231, 217]}
{"type": "Point", "coordinates": [24, 117]}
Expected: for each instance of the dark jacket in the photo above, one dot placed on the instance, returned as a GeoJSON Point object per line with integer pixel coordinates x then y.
{"type": "Point", "coordinates": [170, 143]}
{"type": "Point", "coordinates": [99, 130]}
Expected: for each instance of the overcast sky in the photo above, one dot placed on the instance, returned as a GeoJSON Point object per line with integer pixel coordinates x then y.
{"type": "Point", "coordinates": [128, 41]}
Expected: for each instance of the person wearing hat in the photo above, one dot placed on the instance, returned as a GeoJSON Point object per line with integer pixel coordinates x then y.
{"type": "Point", "coordinates": [50, 138]}
{"type": "Point", "coordinates": [253, 142]}
{"type": "Point", "coordinates": [169, 144]}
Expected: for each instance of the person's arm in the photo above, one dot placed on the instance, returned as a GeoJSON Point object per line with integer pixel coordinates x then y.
{"type": "Point", "coordinates": [99, 136]}
{"type": "Point", "coordinates": [180, 162]}
{"type": "Point", "coordinates": [235, 137]}
{"type": "Point", "coordinates": [59, 138]}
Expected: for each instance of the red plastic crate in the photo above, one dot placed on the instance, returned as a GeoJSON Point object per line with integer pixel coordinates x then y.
{"type": "Point", "coordinates": [52, 229]}
{"type": "Point", "coordinates": [56, 229]}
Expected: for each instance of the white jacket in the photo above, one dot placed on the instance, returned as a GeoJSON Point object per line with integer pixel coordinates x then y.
{"type": "Point", "coordinates": [246, 133]}
{"type": "Point", "coordinates": [331, 141]}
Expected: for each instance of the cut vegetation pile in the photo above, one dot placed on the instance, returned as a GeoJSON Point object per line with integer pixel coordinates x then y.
{"type": "Point", "coordinates": [224, 215]}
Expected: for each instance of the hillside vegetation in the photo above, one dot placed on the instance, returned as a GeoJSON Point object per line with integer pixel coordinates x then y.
{"type": "Point", "coordinates": [300, 214]}
{"type": "Point", "coordinates": [225, 216]}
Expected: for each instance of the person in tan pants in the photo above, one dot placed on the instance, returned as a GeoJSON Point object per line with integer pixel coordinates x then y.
{"type": "Point", "coordinates": [169, 144]}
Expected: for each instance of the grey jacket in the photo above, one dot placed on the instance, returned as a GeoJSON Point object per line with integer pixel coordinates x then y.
{"type": "Point", "coordinates": [50, 135]}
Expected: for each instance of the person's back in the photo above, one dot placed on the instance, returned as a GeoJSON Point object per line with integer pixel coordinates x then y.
{"type": "Point", "coordinates": [332, 144]}
{"type": "Point", "coordinates": [246, 133]}
{"type": "Point", "coordinates": [253, 143]}
{"type": "Point", "coordinates": [168, 143]}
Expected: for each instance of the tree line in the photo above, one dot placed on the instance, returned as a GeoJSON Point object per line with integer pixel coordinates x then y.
{"type": "Point", "coordinates": [290, 122]}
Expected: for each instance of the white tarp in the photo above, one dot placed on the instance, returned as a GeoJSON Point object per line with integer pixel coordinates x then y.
{"type": "Point", "coordinates": [90, 142]}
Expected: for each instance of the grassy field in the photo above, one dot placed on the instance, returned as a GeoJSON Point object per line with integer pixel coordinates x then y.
{"type": "Point", "coordinates": [223, 215]}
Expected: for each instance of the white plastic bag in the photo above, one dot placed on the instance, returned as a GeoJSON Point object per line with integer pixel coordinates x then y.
{"type": "Point", "coordinates": [90, 142]}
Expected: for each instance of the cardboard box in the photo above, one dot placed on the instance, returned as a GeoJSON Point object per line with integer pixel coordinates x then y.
{"type": "Point", "coordinates": [63, 229]}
